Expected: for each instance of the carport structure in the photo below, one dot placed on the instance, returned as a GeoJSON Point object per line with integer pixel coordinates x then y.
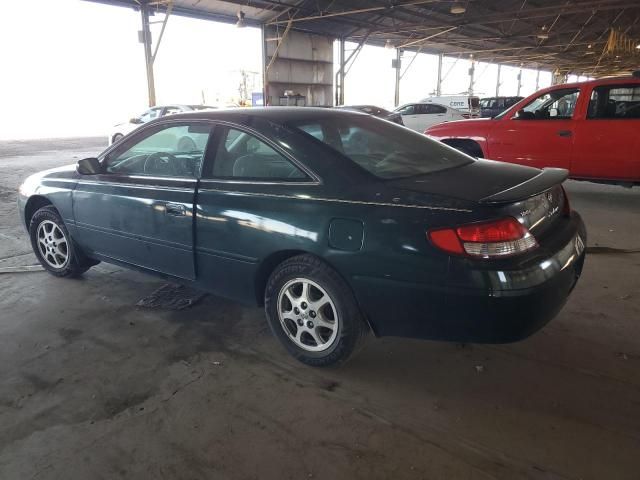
{"type": "Point", "coordinates": [584, 37]}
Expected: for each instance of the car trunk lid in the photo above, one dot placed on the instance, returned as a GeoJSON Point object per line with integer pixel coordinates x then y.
{"type": "Point", "coordinates": [535, 197]}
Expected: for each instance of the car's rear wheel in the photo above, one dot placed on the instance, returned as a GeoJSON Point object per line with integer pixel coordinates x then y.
{"type": "Point", "coordinates": [53, 245]}
{"type": "Point", "coordinates": [313, 312]}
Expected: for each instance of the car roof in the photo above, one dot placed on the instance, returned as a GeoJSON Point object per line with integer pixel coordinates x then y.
{"type": "Point", "coordinates": [597, 82]}
{"type": "Point", "coordinates": [275, 114]}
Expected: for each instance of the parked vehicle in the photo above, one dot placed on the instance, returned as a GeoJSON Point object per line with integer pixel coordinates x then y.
{"type": "Point", "coordinates": [589, 128]}
{"type": "Point", "coordinates": [339, 223]}
{"type": "Point", "coordinates": [493, 106]}
{"type": "Point", "coordinates": [418, 116]}
{"type": "Point", "coordinates": [376, 112]}
{"type": "Point", "coordinates": [120, 130]}
{"type": "Point", "coordinates": [469, 105]}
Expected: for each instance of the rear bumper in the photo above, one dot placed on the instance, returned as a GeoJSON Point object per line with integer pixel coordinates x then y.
{"type": "Point", "coordinates": [486, 306]}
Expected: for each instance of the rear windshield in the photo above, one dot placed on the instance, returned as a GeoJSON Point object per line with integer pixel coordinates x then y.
{"type": "Point", "coordinates": [385, 150]}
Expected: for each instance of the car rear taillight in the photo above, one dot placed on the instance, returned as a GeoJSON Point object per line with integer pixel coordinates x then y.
{"type": "Point", "coordinates": [499, 238]}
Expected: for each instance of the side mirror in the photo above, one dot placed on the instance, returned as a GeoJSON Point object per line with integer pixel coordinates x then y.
{"type": "Point", "coordinates": [135, 120]}
{"type": "Point", "coordinates": [89, 166]}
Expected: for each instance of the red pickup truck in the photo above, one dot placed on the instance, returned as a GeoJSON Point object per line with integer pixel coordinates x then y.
{"type": "Point", "coordinates": [591, 128]}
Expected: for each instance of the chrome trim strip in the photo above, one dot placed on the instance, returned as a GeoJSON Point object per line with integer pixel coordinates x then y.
{"type": "Point", "coordinates": [133, 236]}
{"type": "Point", "coordinates": [150, 177]}
{"type": "Point", "coordinates": [255, 182]}
{"type": "Point", "coordinates": [335, 200]}
{"type": "Point", "coordinates": [134, 185]}
{"type": "Point", "coordinates": [226, 255]}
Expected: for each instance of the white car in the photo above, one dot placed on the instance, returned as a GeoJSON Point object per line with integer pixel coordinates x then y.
{"type": "Point", "coordinates": [122, 129]}
{"type": "Point", "coordinates": [421, 115]}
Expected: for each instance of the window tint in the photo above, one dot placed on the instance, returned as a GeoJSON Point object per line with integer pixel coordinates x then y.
{"type": "Point", "coordinates": [150, 114]}
{"type": "Point", "coordinates": [165, 151]}
{"type": "Point", "coordinates": [555, 105]}
{"type": "Point", "coordinates": [172, 110]}
{"type": "Point", "coordinates": [407, 110]}
{"type": "Point", "coordinates": [434, 109]}
{"type": "Point", "coordinates": [615, 102]}
{"type": "Point", "coordinates": [241, 155]}
{"type": "Point", "coordinates": [383, 149]}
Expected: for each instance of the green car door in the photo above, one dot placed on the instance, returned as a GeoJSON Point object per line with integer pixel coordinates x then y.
{"type": "Point", "coordinates": [139, 209]}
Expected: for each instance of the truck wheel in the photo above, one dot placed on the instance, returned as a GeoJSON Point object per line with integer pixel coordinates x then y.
{"type": "Point", "coordinates": [53, 245]}
{"type": "Point", "coordinates": [313, 312]}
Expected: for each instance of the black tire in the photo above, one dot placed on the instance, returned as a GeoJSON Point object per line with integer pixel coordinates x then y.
{"type": "Point", "coordinates": [351, 328]}
{"type": "Point", "coordinates": [76, 262]}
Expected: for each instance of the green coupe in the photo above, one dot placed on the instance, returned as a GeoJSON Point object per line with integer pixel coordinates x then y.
{"type": "Point", "coordinates": [337, 222]}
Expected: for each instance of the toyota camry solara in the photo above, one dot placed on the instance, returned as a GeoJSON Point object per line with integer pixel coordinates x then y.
{"type": "Point", "coordinates": [337, 222]}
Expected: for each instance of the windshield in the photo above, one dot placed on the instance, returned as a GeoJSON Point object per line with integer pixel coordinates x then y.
{"type": "Point", "coordinates": [383, 149]}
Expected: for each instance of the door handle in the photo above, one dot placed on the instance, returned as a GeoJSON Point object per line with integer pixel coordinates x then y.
{"type": "Point", "coordinates": [175, 209]}
{"type": "Point", "coordinates": [565, 133]}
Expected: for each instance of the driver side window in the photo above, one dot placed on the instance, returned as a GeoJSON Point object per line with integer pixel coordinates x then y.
{"type": "Point", "coordinates": [164, 151]}
{"type": "Point", "coordinates": [554, 105]}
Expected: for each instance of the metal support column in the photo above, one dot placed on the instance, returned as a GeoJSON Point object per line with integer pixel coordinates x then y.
{"type": "Point", "coordinates": [146, 41]}
{"type": "Point", "coordinates": [439, 84]}
{"type": "Point", "coordinates": [471, 73]}
{"type": "Point", "coordinates": [498, 82]}
{"type": "Point", "coordinates": [341, 74]}
{"type": "Point", "coordinates": [519, 82]}
{"type": "Point", "coordinates": [265, 83]}
{"type": "Point", "coordinates": [396, 98]}
{"type": "Point", "coordinates": [538, 80]}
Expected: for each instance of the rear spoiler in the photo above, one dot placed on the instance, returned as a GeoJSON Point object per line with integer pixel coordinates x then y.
{"type": "Point", "coordinates": [547, 178]}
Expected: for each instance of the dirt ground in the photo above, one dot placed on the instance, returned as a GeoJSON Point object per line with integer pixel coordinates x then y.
{"type": "Point", "coordinates": [93, 387]}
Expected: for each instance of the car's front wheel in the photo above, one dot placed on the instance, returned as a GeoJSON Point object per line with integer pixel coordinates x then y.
{"type": "Point", "coordinates": [53, 245]}
{"type": "Point", "coordinates": [313, 312]}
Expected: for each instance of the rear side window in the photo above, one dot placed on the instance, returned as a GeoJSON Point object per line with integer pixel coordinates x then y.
{"type": "Point", "coordinates": [615, 102]}
{"type": "Point", "coordinates": [383, 149]}
{"type": "Point", "coordinates": [243, 156]}
{"type": "Point", "coordinates": [432, 108]}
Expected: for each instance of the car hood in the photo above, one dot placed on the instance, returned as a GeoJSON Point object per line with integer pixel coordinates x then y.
{"type": "Point", "coordinates": [476, 126]}
{"type": "Point", "coordinates": [484, 181]}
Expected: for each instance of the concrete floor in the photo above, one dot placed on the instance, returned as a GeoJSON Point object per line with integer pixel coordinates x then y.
{"type": "Point", "coordinates": [92, 387]}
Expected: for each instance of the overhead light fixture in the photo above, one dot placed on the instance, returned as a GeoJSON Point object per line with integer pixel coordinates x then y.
{"type": "Point", "coordinates": [458, 9]}
{"type": "Point", "coordinates": [543, 36]}
{"type": "Point", "coordinates": [638, 46]}
{"type": "Point", "coordinates": [388, 45]}
{"type": "Point", "coordinates": [240, 23]}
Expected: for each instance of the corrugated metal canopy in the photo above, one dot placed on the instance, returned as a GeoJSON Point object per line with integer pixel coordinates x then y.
{"type": "Point", "coordinates": [591, 37]}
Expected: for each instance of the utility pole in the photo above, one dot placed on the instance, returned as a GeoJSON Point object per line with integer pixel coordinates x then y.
{"type": "Point", "coordinates": [145, 38]}
{"type": "Point", "coordinates": [397, 65]}
{"type": "Point", "coordinates": [519, 82]}
{"type": "Point", "coordinates": [341, 74]}
{"type": "Point", "coordinates": [471, 72]}
{"type": "Point", "coordinates": [439, 84]}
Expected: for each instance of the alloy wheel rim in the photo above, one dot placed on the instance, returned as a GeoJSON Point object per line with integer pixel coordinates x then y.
{"type": "Point", "coordinates": [53, 244]}
{"type": "Point", "coordinates": [308, 315]}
